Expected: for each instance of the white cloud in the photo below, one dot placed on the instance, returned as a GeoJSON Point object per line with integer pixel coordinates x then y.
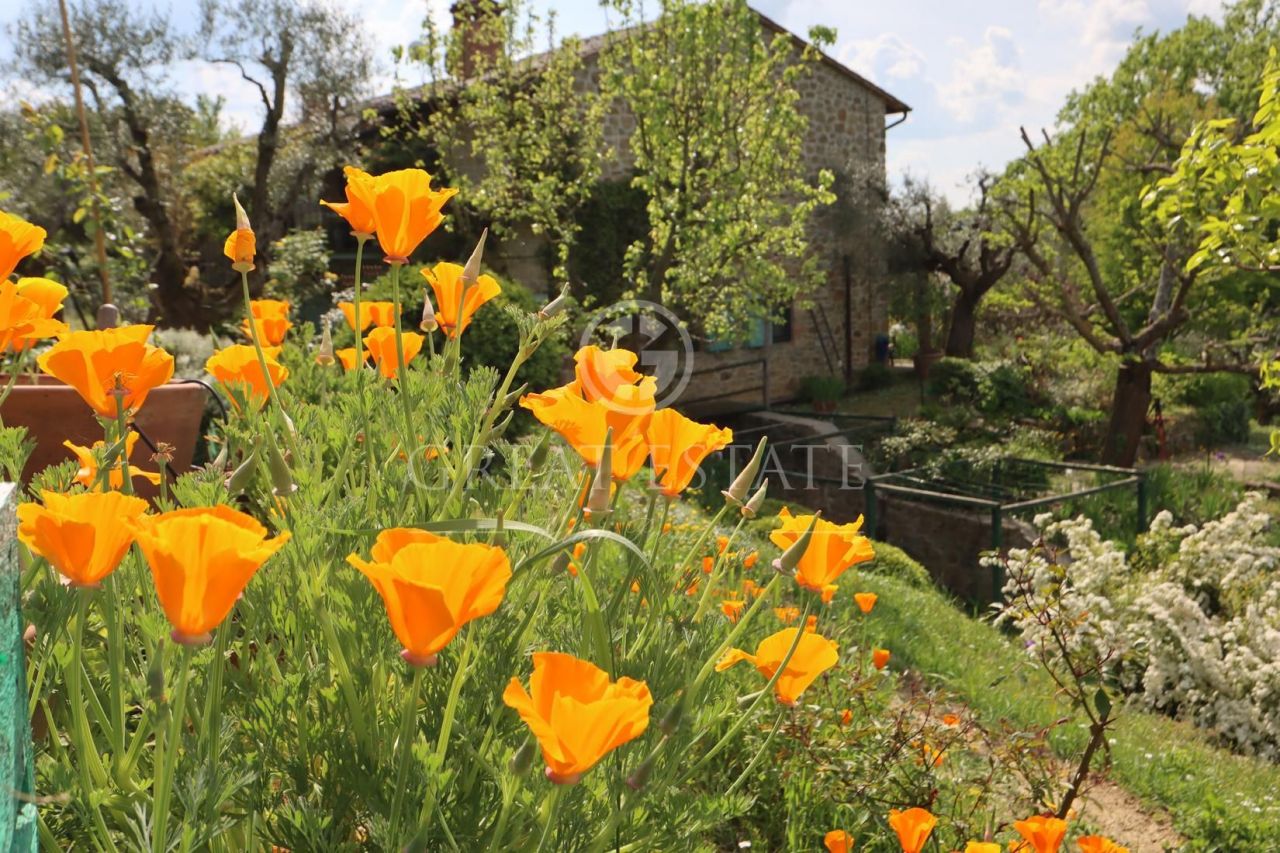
{"type": "Point", "coordinates": [987, 78]}
{"type": "Point", "coordinates": [885, 57]}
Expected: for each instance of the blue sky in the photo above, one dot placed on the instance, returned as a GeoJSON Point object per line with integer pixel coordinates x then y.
{"type": "Point", "coordinates": [972, 70]}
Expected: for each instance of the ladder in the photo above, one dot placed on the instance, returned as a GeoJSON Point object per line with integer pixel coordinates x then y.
{"type": "Point", "coordinates": [826, 337]}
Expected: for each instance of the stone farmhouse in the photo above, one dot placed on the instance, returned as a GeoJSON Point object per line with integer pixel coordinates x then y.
{"type": "Point", "coordinates": [848, 120]}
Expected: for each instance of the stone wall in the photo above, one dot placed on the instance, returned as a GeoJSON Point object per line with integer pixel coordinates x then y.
{"type": "Point", "coordinates": [846, 136]}
{"type": "Point", "coordinates": [948, 541]}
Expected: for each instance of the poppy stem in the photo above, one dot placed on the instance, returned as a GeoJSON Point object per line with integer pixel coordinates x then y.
{"type": "Point", "coordinates": [122, 435]}
{"type": "Point", "coordinates": [212, 722]}
{"type": "Point", "coordinates": [716, 571]}
{"type": "Point", "coordinates": [446, 725]}
{"type": "Point", "coordinates": [358, 373]}
{"type": "Point", "coordinates": [746, 713]}
{"type": "Point", "coordinates": [402, 374]}
{"type": "Point", "coordinates": [408, 727]}
{"type": "Point", "coordinates": [550, 807]}
{"type": "Point", "coordinates": [738, 628]}
{"type": "Point", "coordinates": [479, 441]}
{"type": "Point", "coordinates": [683, 571]}
{"type": "Point", "coordinates": [262, 365]}
{"type": "Point", "coordinates": [86, 750]}
{"type": "Point", "coordinates": [167, 754]}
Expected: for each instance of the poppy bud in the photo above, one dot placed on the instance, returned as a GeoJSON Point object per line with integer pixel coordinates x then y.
{"type": "Point", "coordinates": [428, 323]}
{"type": "Point", "coordinates": [554, 307]}
{"type": "Point", "coordinates": [752, 508]}
{"type": "Point", "coordinates": [540, 452]}
{"type": "Point", "coordinates": [601, 486]}
{"type": "Point", "coordinates": [501, 427]}
{"type": "Point", "coordinates": [281, 479]}
{"type": "Point", "coordinates": [640, 776]}
{"type": "Point", "coordinates": [522, 758]}
{"type": "Point", "coordinates": [741, 485]}
{"type": "Point", "coordinates": [514, 397]}
{"type": "Point", "coordinates": [220, 461]}
{"type": "Point", "coordinates": [786, 564]}
{"type": "Point", "coordinates": [324, 357]}
{"type": "Point", "coordinates": [672, 719]}
{"type": "Point", "coordinates": [242, 218]}
{"type": "Point", "coordinates": [243, 475]}
{"type": "Point", "coordinates": [471, 271]}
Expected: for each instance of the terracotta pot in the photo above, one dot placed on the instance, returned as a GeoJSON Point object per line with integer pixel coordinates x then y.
{"type": "Point", "coordinates": [53, 413]}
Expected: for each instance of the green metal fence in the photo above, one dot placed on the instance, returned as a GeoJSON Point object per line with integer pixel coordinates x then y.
{"type": "Point", "coordinates": [1015, 486]}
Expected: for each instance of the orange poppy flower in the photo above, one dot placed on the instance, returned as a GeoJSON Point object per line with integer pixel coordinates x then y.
{"type": "Point", "coordinates": [708, 563]}
{"type": "Point", "coordinates": [814, 656]}
{"type": "Point", "coordinates": [358, 215]}
{"type": "Point", "coordinates": [811, 624]}
{"type": "Point", "coordinates": [347, 357]}
{"type": "Point", "coordinates": [751, 560]}
{"type": "Point", "coordinates": [47, 295]}
{"type": "Point", "coordinates": [787, 615]}
{"type": "Point", "coordinates": [732, 609]}
{"type": "Point", "coordinates": [913, 828]}
{"type": "Point", "coordinates": [838, 841]}
{"type": "Point", "coordinates": [866, 600]}
{"type": "Point", "coordinates": [382, 346]}
{"type": "Point", "coordinates": [237, 368]}
{"type": "Point", "coordinates": [677, 446]}
{"type": "Point", "coordinates": [584, 425]}
{"type": "Point", "coordinates": [404, 207]}
{"type": "Point", "coordinates": [880, 658]}
{"type": "Point", "coordinates": [846, 717]}
{"type": "Point", "coordinates": [45, 292]}
{"type": "Point", "coordinates": [722, 544]}
{"type": "Point", "coordinates": [1045, 834]}
{"type": "Point", "coordinates": [240, 245]}
{"type": "Point", "coordinates": [23, 321]}
{"type": "Point", "coordinates": [446, 280]}
{"type": "Point", "coordinates": [1099, 844]}
{"type": "Point", "coordinates": [96, 362]}
{"type": "Point", "coordinates": [577, 714]}
{"type": "Point", "coordinates": [271, 316]}
{"type": "Point", "coordinates": [88, 457]}
{"type": "Point", "coordinates": [598, 374]}
{"type": "Point", "coordinates": [829, 593]}
{"type": "Point", "coordinates": [432, 586]}
{"type": "Point", "coordinates": [18, 238]}
{"type": "Point", "coordinates": [982, 847]}
{"type": "Point", "coordinates": [201, 558]}
{"type": "Point", "coordinates": [832, 550]}
{"type": "Point", "coordinates": [83, 536]}
{"type": "Point", "coordinates": [371, 314]}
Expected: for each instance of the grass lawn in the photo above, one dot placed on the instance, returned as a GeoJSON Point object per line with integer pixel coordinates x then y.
{"type": "Point", "coordinates": [1220, 801]}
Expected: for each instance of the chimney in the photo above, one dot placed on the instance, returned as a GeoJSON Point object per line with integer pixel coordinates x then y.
{"type": "Point", "coordinates": [479, 29]}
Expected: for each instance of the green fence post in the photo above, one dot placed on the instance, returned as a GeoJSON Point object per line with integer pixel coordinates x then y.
{"type": "Point", "coordinates": [17, 805]}
{"type": "Point", "coordinates": [869, 526]}
{"type": "Point", "coordinates": [997, 542]}
{"type": "Point", "coordinates": [1142, 502]}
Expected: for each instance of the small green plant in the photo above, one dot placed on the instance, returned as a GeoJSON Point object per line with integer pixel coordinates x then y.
{"type": "Point", "coordinates": [822, 390]}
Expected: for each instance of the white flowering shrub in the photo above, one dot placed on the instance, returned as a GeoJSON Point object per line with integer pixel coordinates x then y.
{"type": "Point", "coordinates": [1189, 623]}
